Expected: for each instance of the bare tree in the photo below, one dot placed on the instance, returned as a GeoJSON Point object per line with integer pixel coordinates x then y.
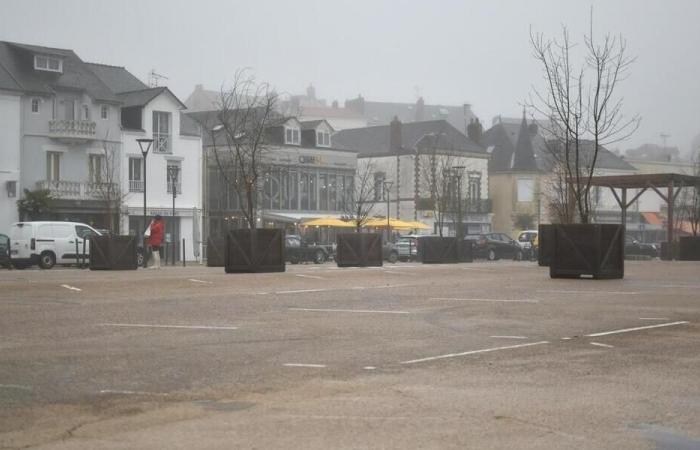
{"type": "Point", "coordinates": [359, 208]}
{"type": "Point", "coordinates": [582, 109]}
{"type": "Point", "coordinates": [105, 183]}
{"type": "Point", "coordinates": [239, 138]}
{"type": "Point", "coordinates": [689, 202]}
{"type": "Point", "coordinates": [436, 181]}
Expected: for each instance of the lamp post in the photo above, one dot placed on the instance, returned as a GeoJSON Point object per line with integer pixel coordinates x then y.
{"type": "Point", "coordinates": [457, 174]}
{"type": "Point", "coordinates": [147, 142]}
{"type": "Point", "coordinates": [172, 175]}
{"type": "Point", "coordinates": [387, 189]}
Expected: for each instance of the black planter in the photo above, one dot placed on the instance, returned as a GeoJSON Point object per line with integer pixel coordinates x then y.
{"type": "Point", "coordinates": [438, 250]}
{"type": "Point", "coordinates": [466, 251]}
{"type": "Point", "coordinates": [592, 250]}
{"type": "Point", "coordinates": [689, 248]}
{"type": "Point", "coordinates": [216, 251]}
{"type": "Point", "coordinates": [359, 250]}
{"type": "Point", "coordinates": [545, 239]}
{"type": "Point", "coordinates": [113, 253]}
{"type": "Point", "coordinates": [669, 252]}
{"type": "Point", "coordinates": [254, 250]}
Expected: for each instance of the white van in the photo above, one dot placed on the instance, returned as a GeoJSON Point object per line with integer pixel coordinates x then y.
{"type": "Point", "coordinates": [48, 243]}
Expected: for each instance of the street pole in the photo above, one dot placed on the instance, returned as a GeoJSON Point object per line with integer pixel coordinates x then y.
{"type": "Point", "coordinates": [147, 143]}
{"type": "Point", "coordinates": [173, 174]}
{"type": "Point", "coordinates": [457, 171]}
{"type": "Point", "coordinates": [387, 190]}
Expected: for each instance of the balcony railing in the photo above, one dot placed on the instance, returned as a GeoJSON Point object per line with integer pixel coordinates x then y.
{"type": "Point", "coordinates": [161, 143]}
{"type": "Point", "coordinates": [77, 190]}
{"type": "Point", "coordinates": [480, 206]}
{"type": "Point", "coordinates": [178, 188]}
{"type": "Point", "coordinates": [135, 185]}
{"type": "Point", "coordinates": [72, 129]}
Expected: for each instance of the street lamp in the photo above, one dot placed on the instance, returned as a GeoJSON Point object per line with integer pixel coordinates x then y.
{"type": "Point", "coordinates": [147, 142]}
{"type": "Point", "coordinates": [172, 175]}
{"type": "Point", "coordinates": [457, 174]}
{"type": "Point", "coordinates": [387, 186]}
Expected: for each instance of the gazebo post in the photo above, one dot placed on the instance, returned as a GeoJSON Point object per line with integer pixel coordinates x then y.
{"type": "Point", "coordinates": [623, 205]}
{"type": "Point", "coordinates": [669, 232]}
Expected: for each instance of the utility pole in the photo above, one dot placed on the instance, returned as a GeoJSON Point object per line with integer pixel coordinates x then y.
{"type": "Point", "coordinates": [387, 191]}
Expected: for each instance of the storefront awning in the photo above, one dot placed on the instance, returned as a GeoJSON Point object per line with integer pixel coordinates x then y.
{"type": "Point", "coordinates": [296, 217]}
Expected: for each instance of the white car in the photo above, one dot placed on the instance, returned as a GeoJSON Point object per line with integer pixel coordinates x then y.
{"type": "Point", "coordinates": [526, 238]}
{"type": "Point", "coordinates": [49, 243]}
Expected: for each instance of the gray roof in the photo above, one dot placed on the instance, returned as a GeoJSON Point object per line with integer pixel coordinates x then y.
{"type": "Point", "coordinates": [118, 79]}
{"type": "Point", "coordinates": [17, 72]}
{"type": "Point", "coordinates": [142, 97]}
{"type": "Point", "coordinates": [375, 141]}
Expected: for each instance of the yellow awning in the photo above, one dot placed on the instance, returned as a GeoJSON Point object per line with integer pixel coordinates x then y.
{"type": "Point", "coordinates": [328, 222]}
{"type": "Point", "coordinates": [394, 223]}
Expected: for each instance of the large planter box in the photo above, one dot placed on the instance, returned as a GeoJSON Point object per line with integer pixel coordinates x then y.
{"type": "Point", "coordinates": [359, 250]}
{"type": "Point", "coordinates": [466, 251]}
{"type": "Point", "coordinates": [591, 250]}
{"type": "Point", "coordinates": [113, 253]}
{"type": "Point", "coordinates": [669, 252]}
{"type": "Point", "coordinates": [689, 248]}
{"type": "Point", "coordinates": [438, 250]}
{"type": "Point", "coordinates": [545, 241]}
{"type": "Point", "coordinates": [216, 251]}
{"type": "Point", "coordinates": [254, 251]}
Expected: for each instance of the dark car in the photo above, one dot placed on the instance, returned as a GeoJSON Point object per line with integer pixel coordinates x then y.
{"type": "Point", "coordinates": [4, 251]}
{"type": "Point", "coordinates": [493, 246]}
{"type": "Point", "coordinates": [634, 247]}
{"type": "Point", "coordinates": [298, 250]}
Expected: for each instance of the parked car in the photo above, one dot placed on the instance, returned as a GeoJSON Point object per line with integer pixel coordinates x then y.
{"type": "Point", "coordinates": [407, 248]}
{"type": "Point", "coordinates": [298, 250]}
{"type": "Point", "coordinates": [634, 247]}
{"type": "Point", "coordinates": [390, 252]}
{"type": "Point", "coordinates": [4, 251]}
{"type": "Point", "coordinates": [526, 240]}
{"type": "Point", "coordinates": [48, 243]}
{"type": "Point", "coordinates": [493, 246]}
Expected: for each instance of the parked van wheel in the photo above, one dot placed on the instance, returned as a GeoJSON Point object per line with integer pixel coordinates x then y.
{"type": "Point", "coordinates": [492, 255]}
{"type": "Point", "coordinates": [47, 260]}
{"type": "Point", "coordinates": [320, 257]}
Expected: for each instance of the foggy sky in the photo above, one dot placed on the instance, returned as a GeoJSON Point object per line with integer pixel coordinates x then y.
{"type": "Point", "coordinates": [449, 52]}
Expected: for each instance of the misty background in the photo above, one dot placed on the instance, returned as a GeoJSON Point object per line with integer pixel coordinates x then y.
{"type": "Point", "coordinates": [448, 52]}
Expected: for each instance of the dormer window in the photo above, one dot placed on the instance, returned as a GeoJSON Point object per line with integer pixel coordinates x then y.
{"type": "Point", "coordinates": [48, 63]}
{"type": "Point", "coordinates": [291, 135]}
{"type": "Point", "coordinates": [323, 139]}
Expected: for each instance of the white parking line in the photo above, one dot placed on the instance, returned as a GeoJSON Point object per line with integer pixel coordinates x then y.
{"type": "Point", "coordinates": [369, 368]}
{"type": "Point", "coordinates": [120, 392]}
{"type": "Point", "coordinates": [187, 327]}
{"type": "Point", "coordinates": [299, 291]}
{"type": "Point", "coordinates": [473, 352]}
{"type": "Point", "coordinates": [485, 300]}
{"type": "Point", "coordinates": [627, 330]}
{"type": "Point", "coordinates": [317, 366]}
{"type": "Point", "coordinates": [509, 337]}
{"type": "Point", "coordinates": [598, 344]}
{"type": "Point", "coordinates": [194, 280]}
{"type": "Point", "coordinates": [309, 276]}
{"type": "Point", "coordinates": [72, 288]}
{"type": "Point", "coordinates": [653, 318]}
{"type": "Point", "coordinates": [365, 311]}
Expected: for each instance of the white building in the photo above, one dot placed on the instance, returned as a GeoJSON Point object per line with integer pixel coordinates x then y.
{"type": "Point", "coordinates": [10, 187]}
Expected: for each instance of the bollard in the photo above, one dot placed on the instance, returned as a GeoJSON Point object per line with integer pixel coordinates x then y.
{"type": "Point", "coordinates": [77, 260]}
{"type": "Point", "coordinates": [84, 239]}
{"type": "Point", "coordinates": [183, 252]}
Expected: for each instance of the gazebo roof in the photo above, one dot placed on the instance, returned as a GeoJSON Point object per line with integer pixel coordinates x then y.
{"type": "Point", "coordinates": [640, 181]}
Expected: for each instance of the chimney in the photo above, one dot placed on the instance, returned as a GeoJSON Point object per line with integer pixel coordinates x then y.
{"type": "Point", "coordinates": [311, 92]}
{"type": "Point", "coordinates": [357, 105]}
{"type": "Point", "coordinates": [395, 135]}
{"type": "Point", "coordinates": [474, 130]}
{"type": "Point", "coordinates": [420, 109]}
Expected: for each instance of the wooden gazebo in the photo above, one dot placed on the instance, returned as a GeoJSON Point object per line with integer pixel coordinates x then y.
{"type": "Point", "coordinates": [673, 183]}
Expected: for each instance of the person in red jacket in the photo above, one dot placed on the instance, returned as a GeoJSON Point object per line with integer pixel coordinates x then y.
{"type": "Point", "coordinates": [155, 240]}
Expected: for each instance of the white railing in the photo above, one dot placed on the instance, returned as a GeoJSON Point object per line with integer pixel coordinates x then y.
{"type": "Point", "coordinates": [77, 190]}
{"type": "Point", "coordinates": [73, 129]}
{"type": "Point", "coordinates": [135, 185]}
{"type": "Point", "coordinates": [161, 143]}
{"type": "Point", "coordinates": [178, 187]}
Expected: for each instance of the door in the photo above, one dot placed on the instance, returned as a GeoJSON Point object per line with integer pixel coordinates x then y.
{"type": "Point", "coordinates": [64, 242]}
{"type": "Point", "coordinates": [83, 233]}
{"type": "Point", "coordinates": [20, 239]}
{"type": "Point", "coordinates": [69, 109]}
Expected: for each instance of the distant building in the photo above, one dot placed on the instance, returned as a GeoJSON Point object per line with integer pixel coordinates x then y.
{"type": "Point", "coordinates": [653, 152]}
{"type": "Point", "coordinates": [408, 155]}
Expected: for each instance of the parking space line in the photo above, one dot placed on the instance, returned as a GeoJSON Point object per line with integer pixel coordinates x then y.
{"type": "Point", "coordinates": [509, 337]}
{"type": "Point", "coordinates": [485, 300]}
{"type": "Point", "coordinates": [653, 318]}
{"type": "Point", "coordinates": [194, 280]}
{"type": "Point", "coordinates": [301, 275]}
{"type": "Point", "coordinates": [187, 327]}
{"type": "Point", "coordinates": [364, 311]}
{"type": "Point", "coordinates": [120, 392]}
{"type": "Point", "coordinates": [300, 291]}
{"type": "Point", "coordinates": [598, 344]}
{"type": "Point", "coordinates": [72, 288]}
{"type": "Point", "coordinates": [315, 366]}
{"type": "Point", "coordinates": [627, 330]}
{"type": "Point", "coordinates": [473, 352]}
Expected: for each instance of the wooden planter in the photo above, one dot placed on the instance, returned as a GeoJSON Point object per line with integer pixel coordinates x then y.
{"type": "Point", "coordinates": [591, 250]}
{"type": "Point", "coordinates": [216, 251]}
{"type": "Point", "coordinates": [254, 250]}
{"type": "Point", "coordinates": [359, 250]}
{"type": "Point", "coordinates": [438, 250]}
{"type": "Point", "coordinates": [113, 253]}
{"type": "Point", "coordinates": [466, 251]}
{"type": "Point", "coordinates": [669, 252]}
{"type": "Point", "coordinates": [689, 248]}
{"type": "Point", "coordinates": [545, 240]}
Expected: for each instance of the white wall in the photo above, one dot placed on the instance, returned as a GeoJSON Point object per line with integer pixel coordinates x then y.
{"type": "Point", "coordinates": [185, 149]}
{"type": "Point", "coordinates": [10, 133]}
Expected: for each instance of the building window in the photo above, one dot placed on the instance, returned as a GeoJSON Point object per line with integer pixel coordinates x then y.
{"type": "Point", "coordinates": [48, 63]}
{"type": "Point", "coordinates": [291, 136]}
{"type": "Point", "coordinates": [53, 166]}
{"type": "Point", "coordinates": [525, 188]}
{"type": "Point", "coordinates": [104, 112]}
{"type": "Point", "coordinates": [379, 178]}
{"type": "Point", "coordinates": [161, 132]}
{"type": "Point", "coordinates": [474, 192]}
{"type": "Point", "coordinates": [323, 139]}
{"type": "Point", "coordinates": [35, 105]}
{"type": "Point", "coordinates": [96, 163]}
{"type": "Point", "coordinates": [135, 174]}
{"type": "Point", "coordinates": [86, 112]}
{"type": "Point", "coordinates": [174, 170]}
